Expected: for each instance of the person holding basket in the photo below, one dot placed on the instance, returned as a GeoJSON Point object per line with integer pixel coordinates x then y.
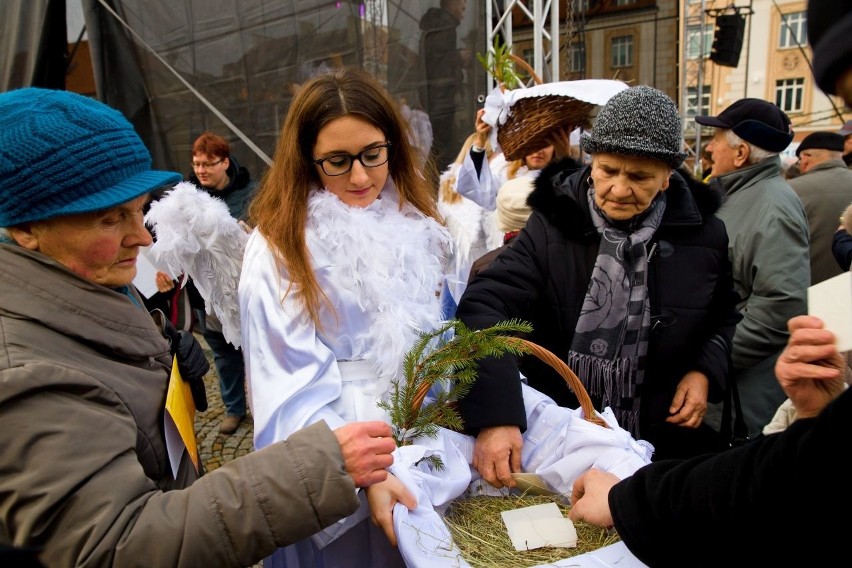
{"type": "Point", "coordinates": [622, 271]}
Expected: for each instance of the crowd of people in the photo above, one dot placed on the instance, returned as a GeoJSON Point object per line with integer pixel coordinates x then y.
{"type": "Point", "coordinates": [680, 301]}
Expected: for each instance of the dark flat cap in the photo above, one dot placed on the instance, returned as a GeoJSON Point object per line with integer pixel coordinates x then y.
{"type": "Point", "coordinates": [756, 121]}
{"type": "Point", "coordinates": [821, 141]}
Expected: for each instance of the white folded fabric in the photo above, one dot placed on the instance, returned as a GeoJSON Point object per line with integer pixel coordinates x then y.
{"type": "Point", "coordinates": [559, 445]}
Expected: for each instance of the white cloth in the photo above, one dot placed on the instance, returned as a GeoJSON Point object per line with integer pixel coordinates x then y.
{"type": "Point", "coordinates": [482, 188]}
{"type": "Point", "coordinates": [474, 233]}
{"type": "Point", "coordinates": [498, 103]}
{"type": "Point", "coordinates": [559, 445]}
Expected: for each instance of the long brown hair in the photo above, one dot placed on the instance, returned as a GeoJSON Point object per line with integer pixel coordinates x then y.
{"type": "Point", "coordinates": [279, 209]}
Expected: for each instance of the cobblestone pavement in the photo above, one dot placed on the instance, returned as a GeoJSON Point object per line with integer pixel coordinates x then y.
{"type": "Point", "coordinates": [217, 449]}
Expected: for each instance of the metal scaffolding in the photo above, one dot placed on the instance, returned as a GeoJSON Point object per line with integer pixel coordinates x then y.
{"type": "Point", "coordinates": [544, 17]}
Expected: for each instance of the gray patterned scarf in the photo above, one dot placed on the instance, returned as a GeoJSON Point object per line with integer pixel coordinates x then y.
{"type": "Point", "coordinates": [611, 339]}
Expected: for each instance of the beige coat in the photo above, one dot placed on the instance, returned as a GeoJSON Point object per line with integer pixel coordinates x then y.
{"type": "Point", "coordinates": [84, 473]}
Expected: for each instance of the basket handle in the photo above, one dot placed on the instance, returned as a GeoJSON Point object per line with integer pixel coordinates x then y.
{"type": "Point", "coordinates": [526, 67]}
{"type": "Point", "coordinates": [570, 377]}
{"type": "Point", "coordinates": [558, 365]}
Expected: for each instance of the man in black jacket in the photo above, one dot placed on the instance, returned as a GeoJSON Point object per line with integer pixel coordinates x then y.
{"type": "Point", "coordinates": [770, 502]}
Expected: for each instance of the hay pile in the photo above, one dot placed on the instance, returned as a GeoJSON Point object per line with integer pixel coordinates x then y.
{"type": "Point", "coordinates": [478, 530]}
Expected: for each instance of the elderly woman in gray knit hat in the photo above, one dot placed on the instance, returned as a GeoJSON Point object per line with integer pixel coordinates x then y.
{"type": "Point", "coordinates": [623, 271]}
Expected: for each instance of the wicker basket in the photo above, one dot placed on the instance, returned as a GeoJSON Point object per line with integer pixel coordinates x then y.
{"type": "Point", "coordinates": [468, 538]}
{"type": "Point", "coordinates": [532, 120]}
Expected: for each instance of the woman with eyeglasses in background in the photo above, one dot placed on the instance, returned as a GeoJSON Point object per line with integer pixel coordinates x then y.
{"type": "Point", "coordinates": [338, 277]}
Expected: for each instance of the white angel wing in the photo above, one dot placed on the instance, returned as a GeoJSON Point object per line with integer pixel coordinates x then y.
{"type": "Point", "coordinates": [196, 236]}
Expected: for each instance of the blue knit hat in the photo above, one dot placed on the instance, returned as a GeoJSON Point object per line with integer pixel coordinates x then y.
{"type": "Point", "coordinates": [62, 153]}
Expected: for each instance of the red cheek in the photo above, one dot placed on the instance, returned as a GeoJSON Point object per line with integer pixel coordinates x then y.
{"type": "Point", "coordinates": [103, 252]}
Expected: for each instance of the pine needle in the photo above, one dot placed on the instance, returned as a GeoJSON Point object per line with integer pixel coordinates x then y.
{"type": "Point", "coordinates": [451, 365]}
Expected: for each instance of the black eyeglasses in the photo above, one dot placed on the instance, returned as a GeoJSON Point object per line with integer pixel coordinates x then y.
{"type": "Point", "coordinates": [340, 164]}
{"type": "Point", "coordinates": [206, 165]}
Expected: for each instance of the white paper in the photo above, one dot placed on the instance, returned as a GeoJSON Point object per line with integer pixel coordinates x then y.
{"type": "Point", "coordinates": [831, 301]}
{"type": "Point", "coordinates": [146, 274]}
{"type": "Point", "coordinates": [174, 443]}
{"type": "Point", "coordinates": [540, 525]}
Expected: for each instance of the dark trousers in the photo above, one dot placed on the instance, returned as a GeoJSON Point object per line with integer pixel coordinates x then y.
{"type": "Point", "coordinates": [230, 367]}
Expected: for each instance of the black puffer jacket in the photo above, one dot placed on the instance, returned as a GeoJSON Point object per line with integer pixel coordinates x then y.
{"type": "Point", "coordinates": [543, 276]}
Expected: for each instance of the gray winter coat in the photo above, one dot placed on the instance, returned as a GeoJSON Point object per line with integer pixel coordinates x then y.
{"type": "Point", "coordinates": [825, 191]}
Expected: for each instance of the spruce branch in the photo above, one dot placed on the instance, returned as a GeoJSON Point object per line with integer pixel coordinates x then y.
{"type": "Point", "coordinates": [451, 364]}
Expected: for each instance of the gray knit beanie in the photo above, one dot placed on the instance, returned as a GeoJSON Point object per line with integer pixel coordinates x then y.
{"type": "Point", "coordinates": [639, 121]}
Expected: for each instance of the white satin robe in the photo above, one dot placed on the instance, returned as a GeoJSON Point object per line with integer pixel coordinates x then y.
{"type": "Point", "coordinates": [378, 267]}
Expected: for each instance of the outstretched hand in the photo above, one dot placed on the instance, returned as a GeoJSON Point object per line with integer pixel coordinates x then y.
{"type": "Point", "coordinates": [366, 449]}
{"type": "Point", "coordinates": [590, 498]}
{"type": "Point", "coordinates": [482, 129]}
{"type": "Point", "coordinates": [497, 453]}
{"type": "Point", "coordinates": [382, 498]}
{"type": "Point", "coordinates": [810, 369]}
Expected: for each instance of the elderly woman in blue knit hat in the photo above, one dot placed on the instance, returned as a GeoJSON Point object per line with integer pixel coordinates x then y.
{"type": "Point", "coordinates": [93, 470]}
{"type": "Point", "coordinates": [622, 270]}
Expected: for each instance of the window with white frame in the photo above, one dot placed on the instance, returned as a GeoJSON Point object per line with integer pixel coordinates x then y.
{"type": "Point", "coordinates": [695, 104]}
{"type": "Point", "coordinates": [794, 30]}
{"type": "Point", "coordinates": [695, 47]}
{"type": "Point", "coordinates": [789, 94]}
{"type": "Point", "coordinates": [577, 57]}
{"type": "Point", "coordinates": [580, 5]}
{"type": "Point", "coordinates": [622, 51]}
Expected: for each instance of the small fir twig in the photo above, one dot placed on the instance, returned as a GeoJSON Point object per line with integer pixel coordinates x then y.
{"type": "Point", "coordinates": [452, 364]}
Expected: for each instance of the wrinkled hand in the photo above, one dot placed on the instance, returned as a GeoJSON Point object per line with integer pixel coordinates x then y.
{"type": "Point", "coordinates": [366, 449]}
{"type": "Point", "coordinates": [689, 404]}
{"type": "Point", "coordinates": [590, 498]}
{"type": "Point", "coordinates": [382, 497]}
{"type": "Point", "coordinates": [810, 369]}
{"type": "Point", "coordinates": [497, 454]}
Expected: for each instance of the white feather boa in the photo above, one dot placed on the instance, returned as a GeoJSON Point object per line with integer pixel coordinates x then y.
{"type": "Point", "coordinates": [392, 260]}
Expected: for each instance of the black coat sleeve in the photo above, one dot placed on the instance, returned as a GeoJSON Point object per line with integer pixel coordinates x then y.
{"type": "Point", "coordinates": [506, 289]}
{"type": "Point", "coordinates": [771, 502]}
{"type": "Point", "coordinates": [841, 246]}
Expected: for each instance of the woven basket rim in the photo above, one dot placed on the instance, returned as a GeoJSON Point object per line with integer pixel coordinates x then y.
{"type": "Point", "coordinates": [558, 365]}
{"type": "Point", "coordinates": [531, 120]}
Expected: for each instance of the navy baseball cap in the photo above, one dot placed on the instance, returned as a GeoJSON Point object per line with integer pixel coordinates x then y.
{"type": "Point", "coordinates": [756, 121]}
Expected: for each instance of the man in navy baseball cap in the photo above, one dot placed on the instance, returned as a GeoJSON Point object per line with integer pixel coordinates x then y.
{"type": "Point", "coordinates": [756, 121]}
{"type": "Point", "coordinates": [768, 236]}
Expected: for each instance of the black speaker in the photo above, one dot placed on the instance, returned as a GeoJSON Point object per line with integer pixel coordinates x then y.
{"type": "Point", "coordinates": [728, 40]}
